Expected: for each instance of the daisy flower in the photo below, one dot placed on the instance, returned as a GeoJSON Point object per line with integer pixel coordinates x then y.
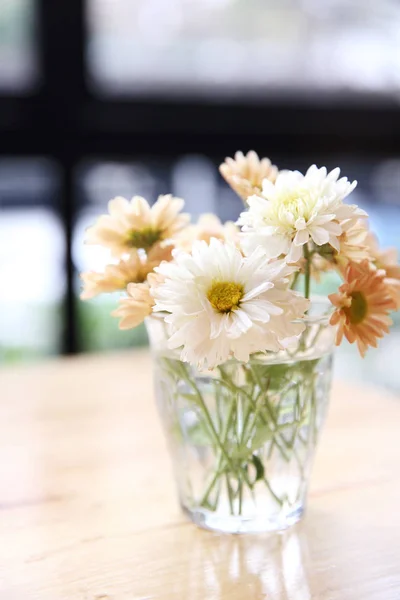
{"type": "Point", "coordinates": [352, 247]}
{"type": "Point", "coordinates": [207, 227]}
{"type": "Point", "coordinates": [136, 307]}
{"type": "Point", "coordinates": [221, 304]}
{"type": "Point", "coordinates": [245, 174]}
{"type": "Point", "coordinates": [393, 288]}
{"type": "Point", "coordinates": [383, 259]}
{"type": "Point", "coordinates": [352, 242]}
{"type": "Point", "coordinates": [114, 278]}
{"type": "Point", "coordinates": [136, 224]}
{"type": "Point", "coordinates": [298, 208]}
{"type": "Point", "coordinates": [362, 306]}
{"type": "Point", "coordinates": [133, 269]}
{"type": "Point", "coordinates": [388, 261]}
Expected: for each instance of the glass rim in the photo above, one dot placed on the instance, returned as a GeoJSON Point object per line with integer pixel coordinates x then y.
{"type": "Point", "coordinates": [324, 310]}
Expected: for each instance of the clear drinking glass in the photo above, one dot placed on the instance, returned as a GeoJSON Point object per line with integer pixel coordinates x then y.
{"type": "Point", "coordinates": [243, 435]}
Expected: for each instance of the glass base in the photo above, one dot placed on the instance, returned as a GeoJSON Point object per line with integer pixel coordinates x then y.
{"type": "Point", "coordinates": [212, 521]}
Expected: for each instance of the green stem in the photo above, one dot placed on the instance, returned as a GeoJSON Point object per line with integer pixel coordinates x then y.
{"type": "Point", "coordinates": [206, 495]}
{"type": "Point", "coordinates": [230, 494]}
{"type": "Point", "coordinates": [295, 279]}
{"type": "Point", "coordinates": [271, 491]}
{"type": "Point", "coordinates": [277, 435]}
{"type": "Point", "coordinates": [270, 411]}
{"type": "Point", "coordinates": [312, 343]}
{"type": "Point", "coordinates": [225, 380]}
{"type": "Point", "coordinates": [218, 405]}
{"type": "Point", "coordinates": [313, 415]}
{"type": "Point", "coordinates": [239, 471]}
{"type": "Point", "coordinates": [218, 442]}
{"type": "Point", "coordinates": [267, 406]}
{"type": "Point", "coordinates": [210, 423]}
{"type": "Point", "coordinates": [274, 440]}
{"type": "Point", "coordinates": [214, 431]}
{"type": "Point", "coordinates": [249, 412]}
{"type": "Point", "coordinates": [307, 256]}
{"type": "Point", "coordinates": [218, 472]}
{"type": "Point", "coordinates": [240, 496]}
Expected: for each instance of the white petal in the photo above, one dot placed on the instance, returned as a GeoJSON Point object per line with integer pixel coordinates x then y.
{"type": "Point", "coordinates": [334, 242]}
{"type": "Point", "coordinates": [262, 308]}
{"type": "Point", "coordinates": [263, 287]}
{"type": "Point", "coordinates": [257, 311]}
{"type": "Point", "coordinates": [295, 254]}
{"type": "Point", "coordinates": [240, 322]}
{"type": "Point", "coordinates": [319, 235]}
{"type": "Point", "coordinates": [333, 228]}
{"type": "Point", "coordinates": [301, 237]}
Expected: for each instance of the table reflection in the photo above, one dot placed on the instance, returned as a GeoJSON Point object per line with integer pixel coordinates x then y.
{"type": "Point", "coordinates": [266, 566]}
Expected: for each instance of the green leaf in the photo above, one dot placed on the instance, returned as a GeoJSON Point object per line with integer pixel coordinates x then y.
{"type": "Point", "coordinates": [261, 436]}
{"type": "Point", "coordinates": [306, 367]}
{"type": "Point", "coordinates": [199, 435]}
{"type": "Point", "coordinates": [259, 467]}
{"type": "Point", "coordinates": [189, 397]}
{"type": "Point", "coordinates": [240, 454]}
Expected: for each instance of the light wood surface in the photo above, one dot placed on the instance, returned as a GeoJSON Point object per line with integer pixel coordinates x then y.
{"type": "Point", "coordinates": [88, 508]}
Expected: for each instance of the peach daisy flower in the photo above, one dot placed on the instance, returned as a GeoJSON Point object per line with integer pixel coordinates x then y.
{"type": "Point", "coordinates": [318, 266]}
{"type": "Point", "coordinates": [208, 226]}
{"type": "Point", "coordinates": [157, 255]}
{"type": "Point", "coordinates": [393, 287]}
{"type": "Point", "coordinates": [245, 173]}
{"type": "Point", "coordinates": [133, 269]}
{"type": "Point", "coordinates": [352, 243]}
{"type": "Point", "coordinates": [388, 261]}
{"type": "Point", "coordinates": [362, 306]}
{"type": "Point", "coordinates": [136, 307]}
{"type": "Point", "coordinates": [136, 224]}
{"type": "Point", "coordinates": [352, 247]}
{"type": "Point", "coordinates": [383, 259]}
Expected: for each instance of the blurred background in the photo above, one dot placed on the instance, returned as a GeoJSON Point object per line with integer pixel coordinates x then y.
{"type": "Point", "coordinates": [120, 97]}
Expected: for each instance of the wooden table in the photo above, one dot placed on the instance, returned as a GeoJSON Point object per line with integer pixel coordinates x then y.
{"type": "Point", "coordinates": [88, 508]}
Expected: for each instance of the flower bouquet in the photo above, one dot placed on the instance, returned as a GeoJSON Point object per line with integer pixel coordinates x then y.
{"type": "Point", "coordinates": [242, 351]}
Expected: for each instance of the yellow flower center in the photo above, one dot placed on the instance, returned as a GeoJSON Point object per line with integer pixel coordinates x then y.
{"type": "Point", "coordinates": [358, 309]}
{"type": "Point", "coordinates": [225, 296]}
{"type": "Point", "coordinates": [292, 205]}
{"type": "Point", "coordinates": [144, 238]}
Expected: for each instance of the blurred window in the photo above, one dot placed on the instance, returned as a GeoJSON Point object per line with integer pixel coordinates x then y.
{"type": "Point", "coordinates": [18, 56]}
{"type": "Point", "coordinates": [237, 47]}
{"type": "Point", "coordinates": [31, 260]}
{"type": "Point", "coordinates": [96, 184]}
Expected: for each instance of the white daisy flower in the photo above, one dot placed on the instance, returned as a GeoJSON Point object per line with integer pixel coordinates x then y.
{"type": "Point", "coordinates": [222, 304]}
{"type": "Point", "coordinates": [297, 208]}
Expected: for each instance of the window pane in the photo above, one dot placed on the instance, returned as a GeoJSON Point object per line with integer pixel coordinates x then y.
{"type": "Point", "coordinates": [236, 47]}
{"type": "Point", "coordinates": [31, 260]}
{"type": "Point", "coordinates": [18, 57]}
{"type": "Point", "coordinates": [97, 183]}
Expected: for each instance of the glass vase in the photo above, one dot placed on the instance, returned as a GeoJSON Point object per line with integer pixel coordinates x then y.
{"type": "Point", "coordinates": [243, 435]}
